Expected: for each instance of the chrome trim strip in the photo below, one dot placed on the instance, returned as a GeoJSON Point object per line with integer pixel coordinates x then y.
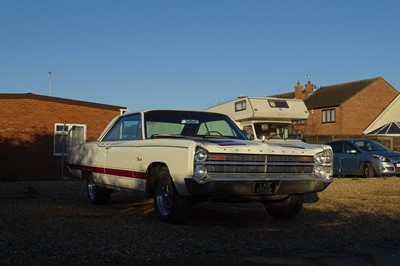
{"type": "Point", "coordinates": [256, 163]}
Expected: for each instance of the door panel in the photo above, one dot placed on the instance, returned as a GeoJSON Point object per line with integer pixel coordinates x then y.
{"type": "Point", "coordinates": [120, 142]}
{"type": "Point", "coordinates": [118, 164]}
{"type": "Point", "coordinates": [349, 163]}
{"type": "Point", "coordinates": [350, 159]}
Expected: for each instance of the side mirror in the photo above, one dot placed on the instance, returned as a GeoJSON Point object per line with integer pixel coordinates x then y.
{"type": "Point", "coordinates": [301, 136]}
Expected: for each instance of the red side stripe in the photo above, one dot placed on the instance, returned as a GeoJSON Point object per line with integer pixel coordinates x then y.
{"type": "Point", "coordinates": [110, 171]}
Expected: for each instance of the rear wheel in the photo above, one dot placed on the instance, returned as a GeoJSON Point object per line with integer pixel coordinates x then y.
{"type": "Point", "coordinates": [367, 170]}
{"type": "Point", "coordinates": [170, 206]}
{"type": "Point", "coordinates": [286, 208]}
{"type": "Point", "coordinates": [96, 194]}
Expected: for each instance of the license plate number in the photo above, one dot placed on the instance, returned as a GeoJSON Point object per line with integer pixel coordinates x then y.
{"type": "Point", "coordinates": [265, 187]}
{"type": "Point", "coordinates": [397, 164]}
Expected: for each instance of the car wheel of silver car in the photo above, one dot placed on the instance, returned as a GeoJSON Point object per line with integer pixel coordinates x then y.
{"type": "Point", "coordinates": [97, 195]}
{"type": "Point", "coordinates": [170, 206]}
{"type": "Point", "coordinates": [286, 208]}
{"type": "Point", "coordinates": [367, 170]}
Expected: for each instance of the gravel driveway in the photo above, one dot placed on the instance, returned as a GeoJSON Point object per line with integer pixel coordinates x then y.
{"type": "Point", "coordinates": [52, 223]}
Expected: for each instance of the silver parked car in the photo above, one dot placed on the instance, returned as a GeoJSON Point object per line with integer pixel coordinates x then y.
{"type": "Point", "coordinates": [364, 157]}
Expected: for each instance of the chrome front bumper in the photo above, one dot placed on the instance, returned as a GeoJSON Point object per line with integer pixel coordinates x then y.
{"type": "Point", "coordinates": [254, 188]}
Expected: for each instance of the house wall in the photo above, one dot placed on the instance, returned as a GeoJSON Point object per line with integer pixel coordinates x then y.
{"type": "Point", "coordinates": [314, 125]}
{"type": "Point", "coordinates": [354, 115]}
{"type": "Point", "coordinates": [27, 135]}
{"type": "Point", "coordinates": [359, 111]}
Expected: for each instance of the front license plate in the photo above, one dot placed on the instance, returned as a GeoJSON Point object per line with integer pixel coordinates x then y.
{"type": "Point", "coordinates": [265, 187]}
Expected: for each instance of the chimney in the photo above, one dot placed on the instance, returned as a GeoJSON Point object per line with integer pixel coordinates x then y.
{"type": "Point", "coordinates": [309, 89]}
{"type": "Point", "coordinates": [298, 91]}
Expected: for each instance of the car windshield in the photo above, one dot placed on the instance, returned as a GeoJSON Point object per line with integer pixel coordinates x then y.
{"type": "Point", "coordinates": [368, 145]}
{"type": "Point", "coordinates": [190, 124]}
{"type": "Point", "coordinates": [275, 131]}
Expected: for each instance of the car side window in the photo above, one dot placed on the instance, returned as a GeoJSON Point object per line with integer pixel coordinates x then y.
{"type": "Point", "coordinates": [126, 128]}
{"type": "Point", "coordinates": [348, 147]}
{"type": "Point", "coordinates": [337, 147]}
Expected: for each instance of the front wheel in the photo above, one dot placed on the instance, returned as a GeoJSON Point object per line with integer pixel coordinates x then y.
{"type": "Point", "coordinates": [96, 194]}
{"type": "Point", "coordinates": [286, 208]}
{"type": "Point", "coordinates": [367, 170]}
{"type": "Point", "coordinates": [170, 206]}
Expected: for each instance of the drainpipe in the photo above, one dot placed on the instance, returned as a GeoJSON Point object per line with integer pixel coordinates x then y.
{"type": "Point", "coordinates": [63, 149]}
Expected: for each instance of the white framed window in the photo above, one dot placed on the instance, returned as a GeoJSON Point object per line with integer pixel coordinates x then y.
{"type": "Point", "coordinates": [328, 116]}
{"type": "Point", "coordinates": [240, 106]}
{"type": "Point", "coordinates": [66, 135]}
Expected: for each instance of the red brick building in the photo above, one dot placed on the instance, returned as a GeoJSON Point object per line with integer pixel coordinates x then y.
{"type": "Point", "coordinates": [343, 109]}
{"type": "Point", "coordinates": [34, 129]}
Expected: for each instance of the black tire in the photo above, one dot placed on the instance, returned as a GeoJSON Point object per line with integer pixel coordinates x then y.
{"type": "Point", "coordinates": [367, 170]}
{"type": "Point", "coordinates": [286, 208]}
{"type": "Point", "coordinates": [169, 205]}
{"type": "Point", "coordinates": [96, 194]}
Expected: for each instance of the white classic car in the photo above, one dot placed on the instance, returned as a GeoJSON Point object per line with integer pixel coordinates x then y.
{"type": "Point", "coordinates": [183, 157]}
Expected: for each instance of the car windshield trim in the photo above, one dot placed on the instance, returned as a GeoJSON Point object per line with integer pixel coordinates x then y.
{"type": "Point", "coordinates": [190, 124]}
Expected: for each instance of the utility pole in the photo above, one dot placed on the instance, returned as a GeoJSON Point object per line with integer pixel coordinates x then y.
{"type": "Point", "coordinates": [51, 82]}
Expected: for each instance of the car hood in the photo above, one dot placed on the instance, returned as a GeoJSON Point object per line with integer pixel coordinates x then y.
{"type": "Point", "coordinates": [247, 146]}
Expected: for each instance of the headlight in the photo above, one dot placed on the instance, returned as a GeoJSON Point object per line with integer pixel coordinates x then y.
{"type": "Point", "coordinates": [381, 158]}
{"type": "Point", "coordinates": [200, 172]}
{"type": "Point", "coordinates": [323, 164]}
{"type": "Point", "coordinates": [323, 157]}
{"type": "Point", "coordinates": [323, 172]}
{"type": "Point", "coordinates": [200, 155]}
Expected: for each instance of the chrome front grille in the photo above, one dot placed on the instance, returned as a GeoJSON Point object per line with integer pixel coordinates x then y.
{"type": "Point", "coordinates": [254, 163]}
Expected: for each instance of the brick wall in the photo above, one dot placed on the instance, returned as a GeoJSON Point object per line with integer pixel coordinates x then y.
{"type": "Point", "coordinates": [359, 111]}
{"type": "Point", "coordinates": [27, 135]}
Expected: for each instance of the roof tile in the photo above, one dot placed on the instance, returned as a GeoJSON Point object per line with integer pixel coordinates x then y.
{"type": "Point", "coordinates": [335, 95]}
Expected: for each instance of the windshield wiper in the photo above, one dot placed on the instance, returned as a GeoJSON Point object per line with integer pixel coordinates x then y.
{"type": "Point", "coordinates": [158, 136]}
{"type": "Point", "coordinates": [219, 137]}
{"type": "Point", "coordinates": [173, 136]}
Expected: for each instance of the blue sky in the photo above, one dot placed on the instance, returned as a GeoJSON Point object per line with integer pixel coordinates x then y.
{"type": "Point", "coordinates": [192, 54]}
